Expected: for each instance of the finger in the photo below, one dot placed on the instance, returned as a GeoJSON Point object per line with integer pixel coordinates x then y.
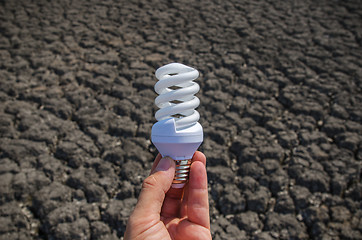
{"type": "Point", "coordinates": [192, 231]}
{"type": "Point", "coordinates": [200, 157]}
{"type": "Point", "coordinates": [154, 189]}
{"type": "Point", "coordinates": [197, 202]}
{"type": "Point", "coordinates": [154, 165]}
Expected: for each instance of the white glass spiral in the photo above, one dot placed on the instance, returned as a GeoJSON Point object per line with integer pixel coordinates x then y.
{"type": "Point", "coordinates": [176, 90]}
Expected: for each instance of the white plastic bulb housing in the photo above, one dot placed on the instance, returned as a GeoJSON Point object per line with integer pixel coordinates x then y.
{"type": "Point", "coordinates": [177, 134]}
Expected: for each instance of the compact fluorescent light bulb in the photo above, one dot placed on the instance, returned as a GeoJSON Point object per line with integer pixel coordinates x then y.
{"type": "Point", "coordinates": [177, 134]}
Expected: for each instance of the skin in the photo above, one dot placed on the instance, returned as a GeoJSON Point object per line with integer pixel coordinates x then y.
{"type": "Point", "coordinates": [163, 212]}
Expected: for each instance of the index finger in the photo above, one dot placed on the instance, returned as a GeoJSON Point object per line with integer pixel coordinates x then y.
{"type": "Point", "coordinates": [199, 156]}
{"type": "Point", "coordinates": [197, 200]}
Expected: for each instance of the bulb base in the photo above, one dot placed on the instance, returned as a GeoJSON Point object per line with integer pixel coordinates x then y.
{"type": "Point", "coordinates": [177, 144]}
{"type": "Point", "coordinates": [180, 145]}
{"type": "Point", "coordinates": [181, 173]}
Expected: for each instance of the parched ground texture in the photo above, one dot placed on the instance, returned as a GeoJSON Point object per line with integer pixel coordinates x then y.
{"type": "Point", "coordinates": [280, 105]}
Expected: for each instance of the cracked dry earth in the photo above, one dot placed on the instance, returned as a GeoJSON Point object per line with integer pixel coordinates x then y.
{"type": "Point", "coordinates": [280, 105]}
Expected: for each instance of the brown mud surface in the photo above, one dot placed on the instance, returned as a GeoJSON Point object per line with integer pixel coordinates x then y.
{"type": "Point", "coordinates": [281, 106]}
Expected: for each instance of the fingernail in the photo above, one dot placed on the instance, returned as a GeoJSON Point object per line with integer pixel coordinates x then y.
{"type": "Point", "coordinates": [164, 164]}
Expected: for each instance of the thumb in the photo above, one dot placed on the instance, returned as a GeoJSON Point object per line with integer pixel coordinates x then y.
{"type": "Point", "coordinates": [154, 188]}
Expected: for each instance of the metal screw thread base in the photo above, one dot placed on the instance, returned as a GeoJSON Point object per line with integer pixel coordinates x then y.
{"type": "Point", "coordinates": [182, 172]}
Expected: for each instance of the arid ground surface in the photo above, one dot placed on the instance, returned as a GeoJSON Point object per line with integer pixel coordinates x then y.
{"type": "Point", "coordinates": [281, 107]}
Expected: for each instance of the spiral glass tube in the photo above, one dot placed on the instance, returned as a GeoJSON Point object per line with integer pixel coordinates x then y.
{"type": "Point", "coordinates": [176, 90]}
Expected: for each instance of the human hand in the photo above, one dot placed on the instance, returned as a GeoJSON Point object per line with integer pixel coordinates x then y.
{"type": "Point", "coordinates": [163, 212]}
